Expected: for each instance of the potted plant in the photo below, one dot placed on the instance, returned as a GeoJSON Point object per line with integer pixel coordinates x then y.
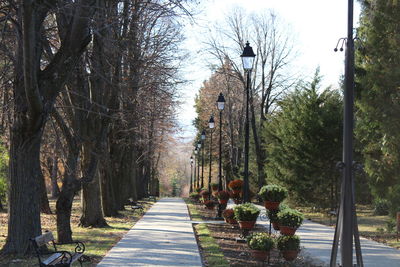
{"type": "Point", "coordinates": [204, 194]}
{"type": "Point", "coordinates": [195, 196]}
{"type": "Point", "coordinates": [223, 197]}
{"type": "Point", "coordinates": [289, 245]}
{"type": "Point", "coordinates": [260, 245]}
{"type": "Point", "coordinates": [246, 214]}
{"type": "Point", "coordinates": [272, 195]}
{"type": "Point", "coordinates": [209, 204]}
{"type": "Point", "coordinates": [236, 197]}
{"type": "Point", "coordinates": [229, 216]}
{"type": "Point", "coordinates": [214, 186]}
{"type": "Point", "coordinates": [289, 221]}
{"type": "Point", "coordinates": [236, 186]}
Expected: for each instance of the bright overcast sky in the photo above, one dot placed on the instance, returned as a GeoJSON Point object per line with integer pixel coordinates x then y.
{"type": "Point", "coordinates": [316, 24]}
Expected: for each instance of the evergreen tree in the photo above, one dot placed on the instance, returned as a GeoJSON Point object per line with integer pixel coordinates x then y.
{"type": "Point", "coordinates": [305, 143]}
{"type": "Point", "coordinates": [378, 105]}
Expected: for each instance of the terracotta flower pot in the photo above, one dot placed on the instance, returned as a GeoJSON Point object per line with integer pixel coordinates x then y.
{"type": "Point", "coordinates": [231, 221]}
{"type": "Point", "coordinates": [290, 255]}
{"type": "Point", "coordinates": [247, 225]}
{"type": "Point", "coordinates": [260, 255]}
{"type": "Point", "coordinates": [223, 201]}
{"type": "Point", "coordinates": [237, 201]}
{"type": "Point", "coordinates": [275, 225]}
{"type": "Point", "coordinates": [269, 205]}
{"type": "Point", "coordinates": [236, 191]}
{"type": "Point", "coordinates": [286, 230]}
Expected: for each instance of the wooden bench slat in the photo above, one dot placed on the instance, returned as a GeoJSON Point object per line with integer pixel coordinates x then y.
{"type": "Point", "coordinates": [76, 256]}
{"type": "Point", "coordinates": [52, 258]}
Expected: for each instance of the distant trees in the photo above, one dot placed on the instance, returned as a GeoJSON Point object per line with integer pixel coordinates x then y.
{"type": "Point", "coordinates": [305, 143]}
{"type": "Point", "coordinates": [378, 105]}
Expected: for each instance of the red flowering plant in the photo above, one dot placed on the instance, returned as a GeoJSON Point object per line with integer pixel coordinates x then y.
{"type": "Point", "coordinates": [228, 214]}
{"type": "Point", "coordinates": [236, 185]}
{"type": "Point", "coordinates": [223, 195]}
{"type": "Point", "coordinates": [209, 204]}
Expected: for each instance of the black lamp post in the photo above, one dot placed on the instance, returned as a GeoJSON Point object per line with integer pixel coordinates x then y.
{"type": "Point", "coordinates": [346, 226]}
{"type": "Point", "coordinates": [211, 125]}
{"type": "Point", "coordinates": [247, 59]}
{"type": "Point", "coordinates": [194, 179]}
{"type": "Point", "coordinates": [202, 138]}
{"type": "Point", "coordinates": [220, 106]}
{"type": "Point", "coordinates": [197, 151]}
{"type": "Point", "coordinates": [191, 174]}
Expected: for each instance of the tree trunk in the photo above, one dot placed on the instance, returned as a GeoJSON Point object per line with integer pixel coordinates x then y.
{"type": "Point", "coordinates": [92, 212]}
{"type": "Point", "coordinates": [24, 178]}
{"type": "Point", "coordinates": [258, 148]}
{"type": "Point", "coordinates": [55, 190]}
{"type": "Point", "coordinates": [66, 197]}
{"type": "Point", "coordinates": [44, 200]}
{"type": "Point", "coordinates": [108, 199]}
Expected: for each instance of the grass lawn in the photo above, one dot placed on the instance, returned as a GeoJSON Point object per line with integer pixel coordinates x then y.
{"type": "Point", "coordinates": [370, 226]}
{"type": "Point", "coordinates": [210, 249]}
{"type": "Point", "coordinates": [97, 240]}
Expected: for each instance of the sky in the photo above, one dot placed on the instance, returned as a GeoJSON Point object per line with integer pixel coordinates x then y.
{"type": "Point", "coordinates": [316, 26]}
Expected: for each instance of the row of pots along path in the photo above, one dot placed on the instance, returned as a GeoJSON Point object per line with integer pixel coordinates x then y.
{"type": "Point", "coordinates": [283, 218]}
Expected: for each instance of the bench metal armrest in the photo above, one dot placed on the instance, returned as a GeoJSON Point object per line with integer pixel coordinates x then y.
{"type": "Point", "coordinates": [80, 247]}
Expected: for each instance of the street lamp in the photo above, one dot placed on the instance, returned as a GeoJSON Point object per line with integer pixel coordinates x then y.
{"type": "Point", "coordinates": [194, 176]}
{"type": "Point", "coordinates": [198, 163]}
{"type": "Point", "coordinates": [191, 174]}
{"type": "Point", "coordinates": [247, 60]}
{"type": "Point", "coordinates": [211, 125]}
{"type": "Point", "coordinates": [202, 138]}
{"type": "Point", "coordinates": [220, 106]}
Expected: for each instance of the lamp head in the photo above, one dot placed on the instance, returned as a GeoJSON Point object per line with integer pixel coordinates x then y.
{"type": "Point", "coordinates": [248, 57]}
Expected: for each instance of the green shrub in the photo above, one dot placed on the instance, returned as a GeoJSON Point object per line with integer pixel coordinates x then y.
{"type": "Point", "coordinates": [390, 225]}
{"type": "Point", "coordinates": [381, 207]}
{"type": "Point", "coordinates": [290, 217]}
{"type": "Point", "coordinates": [194, 195]}
{"type": "Point", "coordinates": [273, 192]}
{"type": "Point", "coordinates": [288, 242]}
{"type": "Point", "coordinates": [260, 241]}
{"type": "Point", "coordinates": [246, 212]}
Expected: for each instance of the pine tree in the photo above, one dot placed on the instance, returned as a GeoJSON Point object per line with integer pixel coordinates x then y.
{"type": "Point", "coordinates": [305, 145]}
{"type": "Point", "coordinates": [378, 103]}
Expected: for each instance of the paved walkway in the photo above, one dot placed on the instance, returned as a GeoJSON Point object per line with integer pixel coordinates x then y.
{"type": "Point", "coordinates": [316, 239]}
{"type": "Point", "coordinates": [163, 237]}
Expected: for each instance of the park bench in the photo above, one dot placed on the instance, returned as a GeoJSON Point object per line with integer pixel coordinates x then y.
{"type": "Point", "coordinates": [134, 205]}
{"type": "Point", "coordinates": [55, 257]}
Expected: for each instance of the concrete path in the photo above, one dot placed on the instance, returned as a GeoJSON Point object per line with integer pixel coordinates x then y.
{"type": "Point", "coordinates": [163, 237]}
{"type": "Point", "coordinates": [316, 243]}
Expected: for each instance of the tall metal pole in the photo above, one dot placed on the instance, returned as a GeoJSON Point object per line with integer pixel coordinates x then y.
{"type": "Point", "coordinates": [209, 171]}
{"type": "Point", "coordinates": [246, 197]}
{"type": "Point", "coordinates": [198, 168]}
{"type": "Point", "coordinates": [202, 163]}
{"type": "Point", "coordinates": [346, 226]}
{"type": "Point", "coordinates": [191, 177]}
{"type": "Point", "coordinates": [194, 176]}
{"type": "Point", "coordinates": [346, 244]}
{"type": "Point", "coordinates": [220, 153]}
